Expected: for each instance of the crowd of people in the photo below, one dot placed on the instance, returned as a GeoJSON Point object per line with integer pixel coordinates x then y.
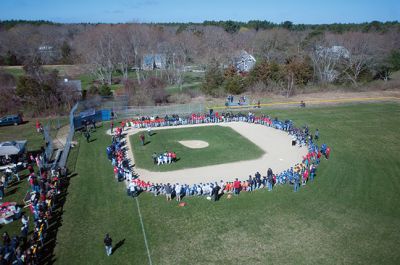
{"type": "Point", "coordinates": [298, 175]}
{"type": "Point", "coordinates": [41, 199]}
{"type": "Point", "coordinates": [164, 158]}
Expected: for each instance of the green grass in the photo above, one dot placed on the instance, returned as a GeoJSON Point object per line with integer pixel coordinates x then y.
{"type": "Point", "coordinates": [223, 141]}
{"type": "Point", "coordinates": [349, 215]}
{"type": "Point", "coordinates": [27, 131]}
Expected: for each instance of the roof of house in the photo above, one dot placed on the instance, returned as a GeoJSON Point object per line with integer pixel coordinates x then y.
{"type": "Point", "coordinates": [243, 55]}
{"type": "Point", "coordinates": [151, 58]}
{"type": "Point", "coordinates": [77, 84]}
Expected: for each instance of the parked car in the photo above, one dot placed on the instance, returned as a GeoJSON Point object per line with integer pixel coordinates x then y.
{"type": "Point", "coordinates": [11, 120]}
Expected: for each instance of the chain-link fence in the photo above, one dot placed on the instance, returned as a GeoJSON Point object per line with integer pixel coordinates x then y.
{"type": "Point", "coordinates": [134, 111]}
{"type": "Point", "coordinates": [120, 106]}
{"type": "Point", "coordinates": [64, 156]}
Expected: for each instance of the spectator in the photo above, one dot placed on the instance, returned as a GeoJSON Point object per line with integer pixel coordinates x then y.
{"type": "Point", "coordinates": [142, 138]}
{"type": "Point", "coordinates": [108, 244]}
{"type": "Point", "coordinates": [236, 186]}
{"type": "Point", "coordinates": [168, 192]}
{"type": "Point", "coordinates": [178, 191]}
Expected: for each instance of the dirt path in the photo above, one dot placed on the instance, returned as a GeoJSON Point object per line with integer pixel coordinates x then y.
{"type": "Point", "coordinates": [279, 155]}
{"type": "Point", "coordinates": [322, 98]}
{"type": "Point", "coordinates": [61, 137]}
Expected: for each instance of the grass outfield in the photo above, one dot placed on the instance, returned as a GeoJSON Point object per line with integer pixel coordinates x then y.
{"type": "Point", "coordinates": [349, 215]}
{"type": "Point", "coordinates": [220, 140]}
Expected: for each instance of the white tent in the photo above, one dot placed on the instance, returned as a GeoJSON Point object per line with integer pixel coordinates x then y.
{"type": "Point", "coordinates": [12, 148]}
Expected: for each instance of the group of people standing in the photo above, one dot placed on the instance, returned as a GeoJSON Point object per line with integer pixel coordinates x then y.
{"type": "Point", "coordinates": [297, 175]}
{"type": "Point", "coordinates": [41, 200]}
{"type": "Point", "coordinates": [164, 158]}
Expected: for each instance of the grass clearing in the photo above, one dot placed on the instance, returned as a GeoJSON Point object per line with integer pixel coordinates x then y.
{"type": "Point", "coordinates": [349, 215]}
{"type": "Point", "coordinates": [224, 146]}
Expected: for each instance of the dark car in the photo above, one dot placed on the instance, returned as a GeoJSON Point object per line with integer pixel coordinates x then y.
{"type": "Point", "coordinates": [11, 120]}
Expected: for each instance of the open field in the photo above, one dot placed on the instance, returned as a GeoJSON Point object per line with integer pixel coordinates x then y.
{"type": "Point", "coordinates": [350, 214]}
{"type": "Point", "coordinates": [220, 139]}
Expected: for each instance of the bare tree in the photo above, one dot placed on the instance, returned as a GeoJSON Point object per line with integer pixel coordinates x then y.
{"type": "Point", "coordinates": [8, 100]}
{"type": "Point", "coordinates": [360, 55]}
{"type": "Point", "coordinates": [99, 51]}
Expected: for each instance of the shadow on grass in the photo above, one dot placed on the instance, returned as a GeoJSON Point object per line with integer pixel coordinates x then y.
{"type": "Point", "coordinates": [55, 222]}
{"type": "Point", "coordinates": [12, 191]}
{"type": "Point", "coordinates": [118, 245]}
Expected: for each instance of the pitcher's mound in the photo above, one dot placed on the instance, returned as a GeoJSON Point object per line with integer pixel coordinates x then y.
{"type": "Point", "coordinates": [194, 144]}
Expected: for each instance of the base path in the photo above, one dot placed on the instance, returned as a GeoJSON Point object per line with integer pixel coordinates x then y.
{"type": "Point", "coordinates": [279, 155]}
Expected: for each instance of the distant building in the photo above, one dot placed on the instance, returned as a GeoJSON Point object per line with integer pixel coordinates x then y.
{"type": "Point", "coordinates": [243, 61]}
{"type": "Point", "coordinates": [48, 53]}
{"type": "Point", "coordinates": [154, 61]}
{"type": "Point", "coordinates": [335, 52]}
{"type": "Point", "coordinates": [45, 48]}
{"type": "Point", "coordinates": [72, 85]}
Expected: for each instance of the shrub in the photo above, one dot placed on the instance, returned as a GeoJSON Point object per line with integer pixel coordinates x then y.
{"type": "Point", "coordinates": [105, 91]}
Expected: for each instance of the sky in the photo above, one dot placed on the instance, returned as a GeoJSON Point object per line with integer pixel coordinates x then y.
{"type": "Point", "coordinates": [120, 11]}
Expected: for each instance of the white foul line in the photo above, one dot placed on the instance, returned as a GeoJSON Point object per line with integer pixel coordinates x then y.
{"type": "Point", "coordinates": [144, 233]}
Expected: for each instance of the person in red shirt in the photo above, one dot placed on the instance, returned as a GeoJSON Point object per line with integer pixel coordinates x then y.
{"type": "Point", "coordinates": [327, 152]}
{"type": "Point", "coordinates": [236, 186]}
{"type": "Point", "coordinates": [38, 127]}
{"type": "Point", "coordinates": [173, 156]}
{"type": "Point", "coordinates": [141, 136]}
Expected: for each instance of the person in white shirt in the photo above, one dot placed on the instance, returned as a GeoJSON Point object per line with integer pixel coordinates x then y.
{"type": "Point", "coordinates": [178, 192]}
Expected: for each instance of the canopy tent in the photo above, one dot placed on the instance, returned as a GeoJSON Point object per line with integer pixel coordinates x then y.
{"type": "Point", "coordinates": [12, 148]}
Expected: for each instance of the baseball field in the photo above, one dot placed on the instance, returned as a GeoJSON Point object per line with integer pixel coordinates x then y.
{"type": "Point", "coordinates": [349, 215]}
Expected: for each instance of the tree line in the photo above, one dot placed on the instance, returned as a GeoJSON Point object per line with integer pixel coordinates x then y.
{"type": "Point", "coordinates": [288, 55]}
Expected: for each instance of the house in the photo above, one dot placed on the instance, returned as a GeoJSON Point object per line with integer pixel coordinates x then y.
{"type": "Point", "coordinates": [335, 52]}
{"type": "Point", "coordinates": [72, 85]}
{"type": "Point", "coordinates": [243, 61]}
{"type": "Point", "coordinates": [327, 58]}
{"type": "Point", "coordinates": [154, 61]}
{"type": "Point", "coordinates": [48, 53]}
{"type": "Point", "coordinates": [45, 48]}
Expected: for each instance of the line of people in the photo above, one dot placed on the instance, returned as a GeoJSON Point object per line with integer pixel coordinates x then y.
{"type": "Point", "coordinates": [297, 175]}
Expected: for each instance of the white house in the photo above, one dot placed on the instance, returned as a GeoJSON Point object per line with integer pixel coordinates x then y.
{"type": "Point", "coordinates": [243, 61]}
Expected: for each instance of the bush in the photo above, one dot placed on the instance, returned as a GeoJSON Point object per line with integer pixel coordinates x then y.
{"type": "Point", "coordinates": [234, 85]}
{"type": "Point", "coordinates": [179, 98]}
{"type": "Point", "coordinates": [213, 79]}
{"type": "Point", "coordinates": [105, 91]}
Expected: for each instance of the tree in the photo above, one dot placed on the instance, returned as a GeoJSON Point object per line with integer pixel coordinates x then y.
{"type": "Point", "coordinates": [213, 78]}
{"type": "Point", "coordinates": [359, 56]}
{"type": "Point", "coordinates": [234, 85]}
{"type": "Point", "coordinates": [99, 51]}
{"type": "Point", "coordinates": [105, 90]}
{"type": "Point", "coordinates": [66, 53]}
{"type": "Point", "coordinates": [287, 24]}
{"type": "Point", "coordinates": [9, 101]}
{"type": "Point", "coordinates": [394, 60]}
{"type": "Point", "coordinates": [297, 72]}
{"type": "Point", "coordinates": [231, 26]}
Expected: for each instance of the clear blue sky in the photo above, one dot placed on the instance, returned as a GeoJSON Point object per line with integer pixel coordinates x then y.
{"type": "Point", "coordinates": [113, 11]}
